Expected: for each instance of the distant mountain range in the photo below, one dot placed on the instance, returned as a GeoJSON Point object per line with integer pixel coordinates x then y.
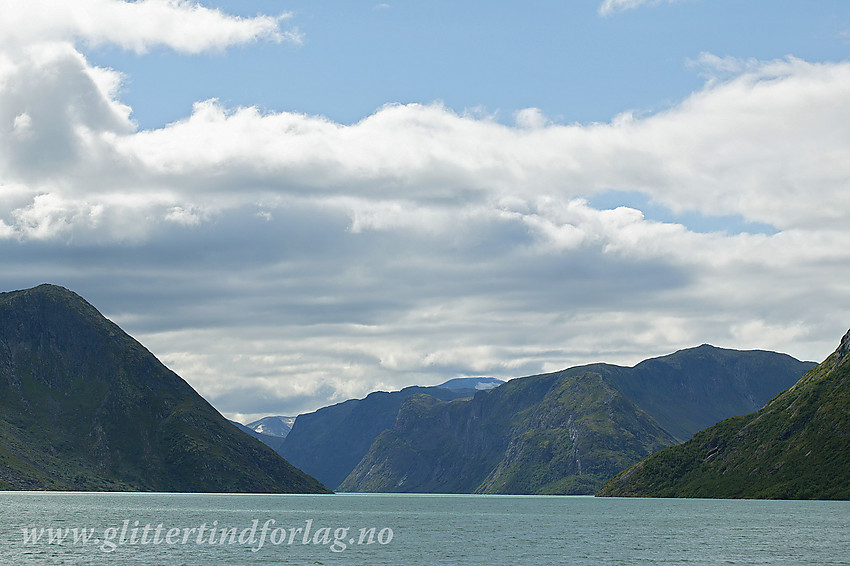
{"type": "Point", "coordinates": [795, 447]}
{"type": "Point", "coordinates": [544, 434]}
{"type": "Point", "coordinates": [329, 443]}
{"type": "Point", "coordinates": [569, 431]}
{"type": "Point", "coordinates": [565, 432]}
{"type": "Point", "coordinates": [694, 388]}
{"type": "Point", "coordinates": [271, 431]}
{"type": "Point", "coordinates": [273, 442]}
{"type": "Point", "coordinates": [476, 383]}
{"type": "Point", "coordinates": [273, 426]}
{"type": "Point", "coordinates": [83, 406]}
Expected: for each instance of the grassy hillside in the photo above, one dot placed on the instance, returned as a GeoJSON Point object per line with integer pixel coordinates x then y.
{"type": "Point", "coordinates": [83, 406]}
{"type": "Point", "coordinates": [796, 447]}
{"type": "Point", "coordinates": [554, 433]}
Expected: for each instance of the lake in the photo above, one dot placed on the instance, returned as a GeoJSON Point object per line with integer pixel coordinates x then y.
{"type": "Point", "coordinates": [412, 530]}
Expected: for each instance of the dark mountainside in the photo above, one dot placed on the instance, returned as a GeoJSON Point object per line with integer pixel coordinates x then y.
{"type": "Point", "coordinates": [83, 406]}
{"type": "Point", "coordinates": [552, 433]}
{"type": "Point", "coordinates": [329, 442]}
{"type": "Point", "coordinates": [695, 388]}
{"type": "Point", "coordinates": [273, 442]}
{"type": "Point", "coordinates": [570, 431]}
{"type": "Point", "coordinates": [796, 447]}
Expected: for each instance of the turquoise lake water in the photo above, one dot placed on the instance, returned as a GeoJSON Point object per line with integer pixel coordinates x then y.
{"type": "Point", "coordinates": [413, 530]}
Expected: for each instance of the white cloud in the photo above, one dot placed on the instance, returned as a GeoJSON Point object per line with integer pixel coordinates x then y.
{"type": "Point", "coordinates": [22, 124]}
{"type": "Point", "coordinates": [54, 107]}
{"type": "Point", "coordinates": [714, 67]}
{"type": "Point", "coordinates": [611, 6]}
{"type": "Point", "coordinates": [763, 145]}
{"type": "Point", "coordinates": [531, 118]}
{"type": "Point", "coordinates": [285, 260]}
{"type": "Point", "coordinates": [178, 24]}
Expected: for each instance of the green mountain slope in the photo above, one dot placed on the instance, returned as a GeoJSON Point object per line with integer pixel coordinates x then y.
{"type": "Point", "coordinates": [329, 442]}
{"type": "Point", "coordinates": [569, 431]}
{"type": "Point", "coordinates": [695, 388]}
{"type": "Point", "coordinates": [83, 406]}
{"type": "Point", "coordinates": [796, 447]}
{"type": "Point", "coordinates": [685, 392]}
{"type": "Point", "coordinates": [553, 433]}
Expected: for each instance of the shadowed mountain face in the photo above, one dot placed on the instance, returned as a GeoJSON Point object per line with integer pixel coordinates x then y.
{"type": "Point", "coordinates": [694, 388]}
{"type": "Point", "coordinates": [273, 442]}
{"type": "Point", "coordinates": [796, 447]}
{"type": "Point", "coordinates": [83, 406]}
{"type": "Point", "coordinates": [329, 442]}
{"type": "Point", "coordinates": [553, 433]}
{"type": "Point", "coordinates": [569, 431]}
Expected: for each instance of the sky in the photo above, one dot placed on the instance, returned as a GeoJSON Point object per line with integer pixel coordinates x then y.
{"type": "Point", "coordinates": [296, 203]}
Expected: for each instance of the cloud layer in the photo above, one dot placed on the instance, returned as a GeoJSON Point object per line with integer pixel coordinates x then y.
{"type": "Point", "coordinates": [140, 26]}
{"type": "Point", "coordinates": [282, 261]}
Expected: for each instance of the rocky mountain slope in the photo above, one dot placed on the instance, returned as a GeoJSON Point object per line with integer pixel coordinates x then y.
{"type": "Point", "coordinates": [795, 447]}
{"type": "Point", "coordinates": [569, 431]}
{"type": "Point", "coordinates": [695, 388]}
{"type": "Point", "coordinates": [476, 383]}
{"type": "Point", "coordinates": [275, 425]}
{"type": "Point", "coordinates": [329, 442]}
{"type": "Point", "coordinates": [273, 442]}
{"type": "Point", "coordinates": [554, 433]}
{"type": "Point", "coordinates": [83, 406]}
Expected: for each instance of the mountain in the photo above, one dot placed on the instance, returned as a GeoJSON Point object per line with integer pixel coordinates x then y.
{"type": "Point", "coordinates": [795, 447]}
{"type": "Point", "coordinates": [329, 442]}
{"type": "Point", "coordinates": [271, 431]}
{"type": "Point", "coordinates": [569, 431]}
{"type": "Point", "coordinates": [273, 426]}
{"type": "Point", "coordinates": [694, 388]}
{"type": "Point", "coordinates": [554, 433]}
{"type": "Point", "coordinates": [83, 406]}
{"type": "Point", "coordinates": [476, 383]}
{"type": "Point", "coordinates": [273, 442]}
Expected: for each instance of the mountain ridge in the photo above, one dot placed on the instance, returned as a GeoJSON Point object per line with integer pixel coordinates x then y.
{"type": "Point", "coordinates": [84, 406]}
{"type": "Point", "coordinates": [532, 435]}
{"type": "Point", "coordinates": [523, 435]}
{"type": "Point", "coordinates": [795, 447]}
{"type": "Point", "coordinates": [272, 425]}
{"type": "Point", "coordinates": [330, 441]}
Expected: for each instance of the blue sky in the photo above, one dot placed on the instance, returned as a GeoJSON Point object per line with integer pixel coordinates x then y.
{"type": "Point", "coordinates": [296, 203]}
{"type": "Point", "coordinates": [562, 57]}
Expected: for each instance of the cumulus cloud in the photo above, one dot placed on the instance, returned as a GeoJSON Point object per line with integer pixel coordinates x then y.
{"type": "Point", "coordinates": [281, 261]}
{"type": "Point", "coordinates": [762, 145]}
{"type": "Point", "coordinates": [177, 24]}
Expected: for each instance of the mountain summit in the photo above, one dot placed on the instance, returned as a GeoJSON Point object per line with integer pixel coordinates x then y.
{"type": "Point", "coordinates": [83, 406]}
{"type": "Point", "coordinates": [795, 447]}
{"type": "Point", "coordinates": [570, 431]}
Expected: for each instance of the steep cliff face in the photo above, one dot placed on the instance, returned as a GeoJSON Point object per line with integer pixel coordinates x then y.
{"type": "Point", "coordinates": [328, 443]}
{"type": "Point", "coordinates": [695, 388]}
{"type": "Point", "coordinates": [796, 447]}
{"type": "Point", "coordinates": [554, 433]}
{"type": "Point", "coordinates": [83, 406]}
{"type": "Point", "coordinates": [569, 431]}
{"type": "Point", "coordinates": [842, 352]}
